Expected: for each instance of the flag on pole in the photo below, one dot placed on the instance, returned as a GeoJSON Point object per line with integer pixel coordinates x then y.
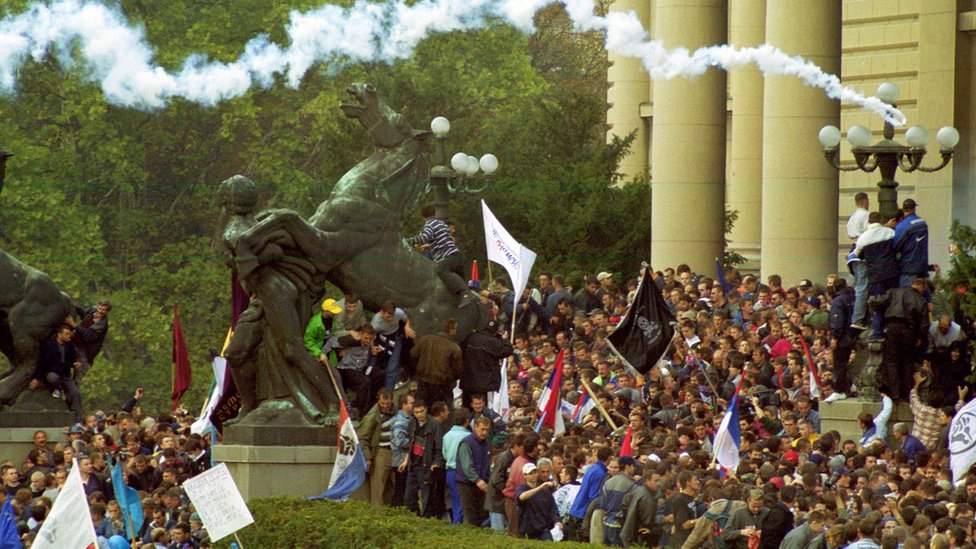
{"type": "Point", "coordinates": [129, 502]}
{"type": "Point", "coordinates": [962, 441]}
{"type": "Point", "coordinates": [727, 439]}
{"type": "Point", "coordinates": [475, 282]}
{"type": "Point", "coordinates": [221, 381]}
{"type": "Point", "coordinates": [500, 403]}
{"type": "Point", "coordinates": [814, 374]}
{"type": "Point", "coordinates": [552, 416]}
{"type": "Point", "coordinates": [645, 331]}
{"type": "Point", "coordinates": [627, 444]}
{"type": "Point", "coordinates": [9, 536]}
{"type": "Point", "coordinates": [506, 251]}
{"type": "Point", "coordinates": [583, 407]}
{"type": "Point", "coordinates": [349, 470]}
{"type": "Point", "coordinates": [181, 360]}
{"type": "Point", "coordinates": [69, 524]}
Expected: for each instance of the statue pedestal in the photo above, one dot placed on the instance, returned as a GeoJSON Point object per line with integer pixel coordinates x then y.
{"type": "Point", "coordinates": [274, 451]}
{"type": "Point", "coordinates": [34, 411]}
{"type": "Point", "coordinates": [269, 471]}
{"type": "Point", "coordinates": [841, 416]}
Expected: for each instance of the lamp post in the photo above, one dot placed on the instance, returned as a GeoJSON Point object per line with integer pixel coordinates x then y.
{"type": "Point", "coordinates": [459, 176]}
{"type": "Point", "coordinates": [887, 154]}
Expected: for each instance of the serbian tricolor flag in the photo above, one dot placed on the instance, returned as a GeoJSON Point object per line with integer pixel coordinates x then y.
{"type": "Point", "coordinates": [583, 407]}
{"type": "Point", "coordinates": [475, 282]}
{"type": "Point", "coordinates": [349, 471]}
{"type": "Point", "coordinates": [181, 360]}
{"type": "Point", "coordinates": [627, 444]}
{"type": "Point", "coordinates": [552, 416]}
{"type": "Point", "coordinates": [727, 439]}
{"type": "Point", "coordinates": [814, 374]}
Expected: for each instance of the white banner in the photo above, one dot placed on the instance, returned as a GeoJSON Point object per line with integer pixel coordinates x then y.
{"type": "Point", "coordinates": [69, 525]}
{"type": "Point", "coordinates": [216, 498]}
{"type": "Point", "coordinates": [507, 252]}
{"type": "Point", "coordinates": [962, 441]}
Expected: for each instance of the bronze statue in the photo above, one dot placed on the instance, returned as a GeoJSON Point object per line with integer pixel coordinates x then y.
{"type": "Point", "coordinates": [354, 240]}
{"type": "Point", "coordinates": [31, 308]}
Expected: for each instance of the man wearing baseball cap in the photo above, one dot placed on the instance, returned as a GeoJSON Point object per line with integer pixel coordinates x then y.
{"type": "Point", "coordinates": [537, 511]}
{"type": "Point", "coordinates": [912, 243]}
{"type": "Point", "coordinates": [319, 329]}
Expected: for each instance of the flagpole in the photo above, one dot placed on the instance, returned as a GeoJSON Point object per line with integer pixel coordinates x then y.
{"type": "Point", "coordinates": [626, 362]}
{"type": "Point", "coordinates": [596, 401]}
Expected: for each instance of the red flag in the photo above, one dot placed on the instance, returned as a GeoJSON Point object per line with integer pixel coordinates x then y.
{"type": "Point", "coordinates": [181, 360]}
{"type": "Point", "coordinates": [626, 445]}
{"type": "Point", "coordinates": [475, 282]}
{"type": "Point", "coordinates": [814, 374]}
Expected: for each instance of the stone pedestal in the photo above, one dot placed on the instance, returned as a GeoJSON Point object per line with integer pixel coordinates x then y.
{"type": "Point", "coordinates": [269, 471]}
{"type": "Point", "coordinates": [275, 451]}
{"type": "Point", "coordinates": [841, 416]}
{"type": "Point", "coordinates": [17, 442]}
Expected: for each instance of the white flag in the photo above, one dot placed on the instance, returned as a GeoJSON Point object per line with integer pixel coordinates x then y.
{"type": "Point", "coordinates": [508, 252]}
{"type": "Point", "coordinates": [202, 425]}
{"type": "Point", "coordinates": [69, 525]}
{"type": "Point", "coordinates": [962, 441]}
{"type": "Point", "coordinates": [501, 404]}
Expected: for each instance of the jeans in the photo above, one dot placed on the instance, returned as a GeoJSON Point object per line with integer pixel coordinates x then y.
{"type": "Point", "coordinates": [67, 386]}
{"type": "Point", "coordinates": [393, 364]}
{"type": "Point", "coordinates": [457, 515]}
{"type": "Point", "coordinates": [860, 292]}
{"type": "Point", "coordinates": [415, 493]}
{"type": "Point", "coordinates": [451, 271]}
{"type": "Point", "coordinates": [611, 536]}
{"type": "Point", "coordinates": [498, 521]}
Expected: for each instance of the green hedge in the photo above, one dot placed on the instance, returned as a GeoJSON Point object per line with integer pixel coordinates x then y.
{"type": "Point", "coordinates": [293, 522]}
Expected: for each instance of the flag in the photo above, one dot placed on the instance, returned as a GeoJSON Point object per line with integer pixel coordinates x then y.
{"type": "Point", "coordinates": [727, 441]}
{"type": "Point", "coordinates": [181, 360]}
{"type": "Point", "coordinates": [814, 375]}
{"type": "Point", "coordinates": [475, 282]}
{"type": "Point", "coordinates": [229, 401]}
{"type": "Point", "coordinates": [69, 524]}
{"type": "Point", "coordinates": [720, 271]}
{"type": "Point", "coordinates": [500, 403]}
{"type": "Point", "coordinates": [626, 445]}
{"type": "Point", "coordinates": [9, 537]}
{"type": "Point", "coordinates": [645, 332]}
{"type": "Point", "coordinates": [129, 502]}
{"type": "Point", "coordinates": [552, 416]}
{"type": "Point", "coordinates": [349, 470]}
{"type": "Point", "coordinates": [962, 441]}
{"type": "Point", "coordinates": [506, 251]}
{"type": "Point", "coordinates": [583, 407]}
{"type": "Point", "coordinates": [221, 381]}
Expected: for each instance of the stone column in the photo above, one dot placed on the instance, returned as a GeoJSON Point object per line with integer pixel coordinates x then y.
{"type": "Point", "coordinates": [688, 144]}
{"type": "Point", "coordinates": [799, 191]}
{"type": "Point", "coordinates": [629, 87]}
{"type": "Point", "coordinates": [747, 27]}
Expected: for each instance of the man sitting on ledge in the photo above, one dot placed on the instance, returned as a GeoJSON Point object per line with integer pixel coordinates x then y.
{"type": "Point", "coordinates": [58, 357]}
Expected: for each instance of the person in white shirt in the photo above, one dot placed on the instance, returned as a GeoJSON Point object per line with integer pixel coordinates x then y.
{"type": "Point", "coordinates": [856, 225]}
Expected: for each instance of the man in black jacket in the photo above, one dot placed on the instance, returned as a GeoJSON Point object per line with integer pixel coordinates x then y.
{"type": "Point", "coordinates": [480, 352]}
{"type": "Point", "coordinates": [90, 334]}
{"type": "Point", "coordinates": [425, 457]}
{"type": "Point", "coordinates": [906, 323]}
{"type": "Point", "coordinates": [843, 337]}
{"type": "Point", "coordinates": [54, 367]}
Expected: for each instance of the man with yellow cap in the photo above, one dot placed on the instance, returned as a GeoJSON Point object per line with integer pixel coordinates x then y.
{"type": "Point", "coordinates": [319, 330]}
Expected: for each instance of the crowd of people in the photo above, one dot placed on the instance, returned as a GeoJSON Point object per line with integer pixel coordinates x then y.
{"type": "Point", "coordinates": [155, 453]}
{"type": "Point", "coordinates": [635, 464]}
{"type": "Point", "coordinates": [636, 467]}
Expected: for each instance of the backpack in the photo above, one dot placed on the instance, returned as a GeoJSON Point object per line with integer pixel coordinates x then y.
{"type": "Point", "coordinates": [719, 520]}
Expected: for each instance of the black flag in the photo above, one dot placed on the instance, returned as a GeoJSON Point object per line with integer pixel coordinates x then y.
{"type": "Point", "coordinates": [645, 332]}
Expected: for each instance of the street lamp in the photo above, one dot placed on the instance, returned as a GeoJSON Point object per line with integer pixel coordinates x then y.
{"type": "Point", "coordinates": [459, 177]}
{"type": "Point", "coordinates": [887, 154]}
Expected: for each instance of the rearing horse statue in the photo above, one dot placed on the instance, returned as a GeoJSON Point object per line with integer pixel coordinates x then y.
{"type": "Point", "coordinates": [355, 236]}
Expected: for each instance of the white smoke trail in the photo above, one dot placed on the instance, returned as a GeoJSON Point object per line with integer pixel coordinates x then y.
{"type": "Point", "coordinates": [116, 56]}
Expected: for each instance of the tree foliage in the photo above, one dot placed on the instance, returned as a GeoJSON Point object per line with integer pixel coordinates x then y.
{"type": "Point", "coordinates": [117, 203]}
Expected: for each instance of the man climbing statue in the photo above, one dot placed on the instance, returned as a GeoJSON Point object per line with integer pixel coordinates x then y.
{"type": "Point", "coordinates": [436, 238]}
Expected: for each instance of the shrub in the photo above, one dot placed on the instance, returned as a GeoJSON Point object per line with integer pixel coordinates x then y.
{"type": "Point", "coordinates": [299, 523]}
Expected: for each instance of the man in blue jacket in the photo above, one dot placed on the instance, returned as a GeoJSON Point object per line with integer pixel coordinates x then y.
{"type": "Point", "coordinates": [912, 245]}
{"type": "Point", "coordinates": [589, 490]}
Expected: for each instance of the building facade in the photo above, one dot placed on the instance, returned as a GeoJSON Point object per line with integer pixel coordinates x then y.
{"type": "Point", "coordinates": [749, 143]}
